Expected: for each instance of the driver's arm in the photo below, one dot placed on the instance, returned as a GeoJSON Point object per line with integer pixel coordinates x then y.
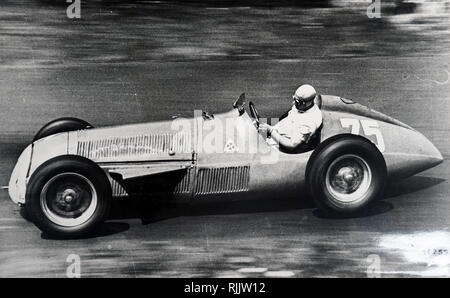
{"type": "Point", "coordinates": [289, 141]}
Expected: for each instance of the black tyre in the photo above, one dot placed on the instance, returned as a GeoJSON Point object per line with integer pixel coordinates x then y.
{"type": "Point", "coordinates": [345, 174]}
{"type": "Point", "coordinates": [61, 125]}
{"type": "Point", "coordinates": [68, 196]}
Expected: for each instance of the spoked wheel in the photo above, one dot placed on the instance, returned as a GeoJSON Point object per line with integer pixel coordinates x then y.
{"type": "Point", "coordinates": [68, 197]}
{"type": "Point", "coordinates": [345, 174]}
{"type": "Point", "coordinates": [348, 178]}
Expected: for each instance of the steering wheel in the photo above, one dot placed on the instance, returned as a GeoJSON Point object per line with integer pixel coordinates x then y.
{"type": "Point", "coordinates": [254, 114]}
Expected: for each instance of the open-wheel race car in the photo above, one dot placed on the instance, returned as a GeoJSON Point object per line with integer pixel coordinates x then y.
{"type": "Point", "coordinates": [67, 177]}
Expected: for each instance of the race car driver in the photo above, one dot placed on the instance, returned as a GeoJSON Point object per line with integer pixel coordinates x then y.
{"type": "Point", "coordinates": [300, 124]}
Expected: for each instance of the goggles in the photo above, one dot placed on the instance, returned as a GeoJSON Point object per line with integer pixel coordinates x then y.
{"type": "Point", "coordinates": [299, 101]}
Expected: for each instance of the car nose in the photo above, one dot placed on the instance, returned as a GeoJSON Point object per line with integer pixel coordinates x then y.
{"type": "Point", "coordinates": [413, 154]}
{"type": "Point", "coordinates": [431, 155]}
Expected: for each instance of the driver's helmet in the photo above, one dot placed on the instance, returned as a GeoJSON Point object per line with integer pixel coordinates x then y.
{"type": "Point", "coordinates": [305, 93]}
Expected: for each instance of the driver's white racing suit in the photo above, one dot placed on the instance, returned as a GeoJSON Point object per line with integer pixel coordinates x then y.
{"type": "Point", "coordinates": [299, 126]}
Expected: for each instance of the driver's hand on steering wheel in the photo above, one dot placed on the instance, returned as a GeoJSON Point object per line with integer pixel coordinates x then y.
{"type": "Point", "coordinates": [265, 129]}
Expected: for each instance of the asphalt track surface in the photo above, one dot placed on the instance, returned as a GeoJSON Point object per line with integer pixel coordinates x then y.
{"type": "Point", "coordinates": [406, 233]}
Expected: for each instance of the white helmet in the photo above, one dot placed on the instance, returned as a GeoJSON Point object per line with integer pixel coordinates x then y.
{"type": "Point", "coordinates": [305, 92]}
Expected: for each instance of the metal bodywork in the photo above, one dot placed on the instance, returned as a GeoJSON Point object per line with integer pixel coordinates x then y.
{"type": "Point", "coordinates": [220, 156]}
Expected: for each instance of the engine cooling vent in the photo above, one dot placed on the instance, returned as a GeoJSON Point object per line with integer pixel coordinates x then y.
{"type": "Point", "coordinates": [118, 147]}
{"type": "Point", "coordinates": [117, 189]}
{"type": "Point", "coordinates": [183, 186]}
{"type": "Point", "coordinates": [222, 180]}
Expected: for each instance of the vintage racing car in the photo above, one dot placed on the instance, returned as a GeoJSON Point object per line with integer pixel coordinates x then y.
{"type": "Point", "coordinates": [66, 178]}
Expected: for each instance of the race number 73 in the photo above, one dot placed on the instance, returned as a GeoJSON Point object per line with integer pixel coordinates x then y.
{"type": "Point", "coordinates": [369, 128]}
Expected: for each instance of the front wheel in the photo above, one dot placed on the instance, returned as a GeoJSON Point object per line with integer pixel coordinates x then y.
{"type": "Point", "coordinates": [346, 174]}
{"type": "Point", "coordinates": [68, 197]}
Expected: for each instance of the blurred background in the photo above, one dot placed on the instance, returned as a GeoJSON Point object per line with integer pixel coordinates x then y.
{"type": "Point", "coordinates": [39, 33]}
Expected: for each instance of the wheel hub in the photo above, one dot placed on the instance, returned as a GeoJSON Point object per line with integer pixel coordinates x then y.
{"type": "Point", "coordinates": [69, 198]}
{"type": "Point", "coordinates": [69, 195]}
{"type": "Point", "coordinates": [348, 178]}
{"type": "Point", "coordinates": [347, 174]}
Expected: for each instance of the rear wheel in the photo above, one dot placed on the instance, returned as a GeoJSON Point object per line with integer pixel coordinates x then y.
{"type": "Point", "coordinates": [68, 197]}
{"type": "Point", "coordinates": [346, 174]}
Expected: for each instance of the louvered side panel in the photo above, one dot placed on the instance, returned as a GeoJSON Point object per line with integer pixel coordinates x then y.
{"type": "Point", "coordinates": [222, 180]}
{"type": "Point", "coordinates": [184, 184]}
{"type": "Point", "coordinates": [120, 147]}
{"type": "Point", "coordinates": [117, 189]}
